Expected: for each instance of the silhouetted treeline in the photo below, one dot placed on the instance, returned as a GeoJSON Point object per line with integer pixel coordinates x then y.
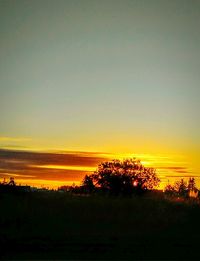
{"type": "Point", "coordinates": [129, 177]}
{"type": "Point", "coordinates": [182, 189]}
{"type": "Point", "coordinates": [11, 187]}
{"type": "Point", "coordinates": [117, 178]}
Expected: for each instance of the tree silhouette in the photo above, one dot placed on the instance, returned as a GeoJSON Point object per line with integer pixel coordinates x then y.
{"type": "Point", "coordinates": [182, 189]}
{"type": "Point", "coordinates": [170, 190]}
{"type": "Point", "coordinates": [192, 184]}
{"type": "Point", "coordinates": [12, 182]}
{"type": "Point", "coordinates": [87, 184]}
{"type": "Point", "coordinates": [124, 177]}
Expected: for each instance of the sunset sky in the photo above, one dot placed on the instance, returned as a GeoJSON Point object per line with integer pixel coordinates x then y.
{"type": "Point", "coordinates": [87, 81]}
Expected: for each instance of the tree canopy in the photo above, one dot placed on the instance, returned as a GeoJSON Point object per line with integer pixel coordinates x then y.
{"type": "Point", "coordinates": [122, 177]}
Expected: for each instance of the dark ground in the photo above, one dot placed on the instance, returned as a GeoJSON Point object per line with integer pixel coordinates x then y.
{"type": "Point", "coordinates": [51, 225]}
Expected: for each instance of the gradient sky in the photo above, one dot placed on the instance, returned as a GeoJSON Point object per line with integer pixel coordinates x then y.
{"type": "Point", "coordinates": [102, 76]}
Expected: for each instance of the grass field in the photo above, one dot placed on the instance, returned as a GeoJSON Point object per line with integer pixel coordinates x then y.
{"type": "Point", "coordinates": [52, 225]}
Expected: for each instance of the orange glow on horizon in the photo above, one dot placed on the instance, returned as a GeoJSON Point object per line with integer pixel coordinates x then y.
{"type": "Point", "coordinates": [66, 167]}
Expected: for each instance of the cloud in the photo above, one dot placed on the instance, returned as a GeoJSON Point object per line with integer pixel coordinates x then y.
{"type": "Point", "coordinates": [181, 176]}
{"type": "Point", "coordinates": [48, 166]}
{"type": "Point", "coordinates": [177, 169]}
{"type": "Point", "coordinates": [68, 167]}
{"type": "Point", "coordinates": [48, 158]}
{"type": "Point", "coordinates": [13, 139]}
{"type": "Point", "coordinates": [18, 175]}
{"type": "Point", "coordinates": [172, 167]}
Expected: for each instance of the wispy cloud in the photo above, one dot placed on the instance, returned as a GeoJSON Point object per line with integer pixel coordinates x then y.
{"type": "Point", "coordinates": [181, 176]}
{"type": "Point", "coordinates": [67, 166]}
{"type": "Point", "coordinates": [18, 175]}
{"type": "Point", "coordinates": [176, 169]}
{"type": "Point", "coordinates": [173, 168]}
{"type": "Point", "coordinates": [80, 168]}
{"type": "Point", "coordinates": [13, 139]}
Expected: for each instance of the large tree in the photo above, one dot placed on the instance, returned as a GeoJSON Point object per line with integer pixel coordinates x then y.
{"type": "Point", "coordinates": [124, 176]}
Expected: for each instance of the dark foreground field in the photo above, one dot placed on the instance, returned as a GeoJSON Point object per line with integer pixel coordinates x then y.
{"type": "Point", "coordinates": [59, 226]}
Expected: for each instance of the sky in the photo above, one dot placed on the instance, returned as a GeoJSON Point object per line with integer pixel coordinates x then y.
{"type": "Point", "coordinates": [110, 78]}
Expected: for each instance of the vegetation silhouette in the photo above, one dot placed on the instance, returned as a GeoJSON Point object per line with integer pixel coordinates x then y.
{"type": "Point", "coordinates": [88, 185]}
{"type": "Point", "coordinates": [11, 187]}
{"type": "Point", "coordinates": [12, 182]}
{"type": "Point", "coordinates": [182, 189]}
{"type": "Point", "coordinates": [81, 224]}
{"type": "Point", "coordinates": [49, 225]}
{"type": "Point", "coordinates": [121, 177]}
